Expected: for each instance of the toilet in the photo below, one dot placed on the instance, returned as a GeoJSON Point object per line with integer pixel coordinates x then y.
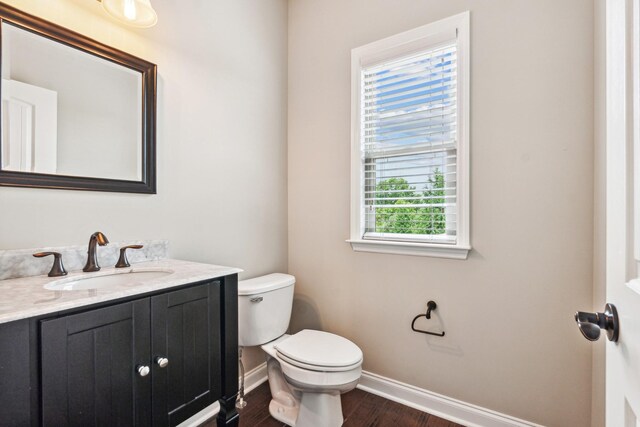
{"type": "Point", "coordinates": [307, 371]}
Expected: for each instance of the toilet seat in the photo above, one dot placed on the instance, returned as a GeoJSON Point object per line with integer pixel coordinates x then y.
{"type": "Point", "coordinates": [339, 378]}
{"type": "Point", "coordinates": [319, 351]}
{"type": "Point", "coordinates": [301, 365]}
{"type": "Point", "coordinates": [319, 381]}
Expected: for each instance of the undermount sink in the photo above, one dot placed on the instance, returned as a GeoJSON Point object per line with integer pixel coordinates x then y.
{"type": "Point", "coordinates": [107, 280]}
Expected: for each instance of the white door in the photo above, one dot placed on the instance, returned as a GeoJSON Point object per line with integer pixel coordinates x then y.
{"type": "Point", "coordinates": [29, 128]}
{"type": "Point", "coordinates": [623, 210]}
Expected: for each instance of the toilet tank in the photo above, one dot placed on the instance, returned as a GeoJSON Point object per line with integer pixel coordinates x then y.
{"type": "Point", "coordinates": [264, 308]}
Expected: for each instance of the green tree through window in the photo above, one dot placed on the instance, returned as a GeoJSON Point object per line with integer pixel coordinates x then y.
{"type": "Point", "coordinates": [394, 215]}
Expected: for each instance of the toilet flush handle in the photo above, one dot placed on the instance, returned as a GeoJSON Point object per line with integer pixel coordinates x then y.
{"type": "Point", "coordinates": [256, 299]}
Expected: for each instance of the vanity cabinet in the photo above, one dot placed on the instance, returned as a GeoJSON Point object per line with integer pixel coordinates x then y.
{"type": "Point", "coordinates": [153, 360]}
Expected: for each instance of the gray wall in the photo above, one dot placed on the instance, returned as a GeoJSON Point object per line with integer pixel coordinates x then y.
{"type": "Point", "coordinates": [511, 342]}
{"type": "Point", "coordinates": [222, 171]}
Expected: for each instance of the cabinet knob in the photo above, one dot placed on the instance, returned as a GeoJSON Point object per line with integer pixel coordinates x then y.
{"type": "Point", "coordinates": [162, 362]}
{"type": "Point", "coordinates": [142, 370]}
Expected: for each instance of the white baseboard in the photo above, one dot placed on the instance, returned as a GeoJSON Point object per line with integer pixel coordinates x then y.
{"type": "Point", "coordinates": [255, 377]}
{"type": "Point", "coordinates": [437, 404]}
{"type": "Point", "coordinates": [252, 379]}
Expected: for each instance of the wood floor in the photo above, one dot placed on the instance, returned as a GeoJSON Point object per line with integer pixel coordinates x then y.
{"type": "Point", "coordinates": [360, 409]}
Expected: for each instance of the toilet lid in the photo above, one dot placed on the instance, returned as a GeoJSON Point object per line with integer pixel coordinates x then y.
{"type": "Point", "coordinates": [320, 349]}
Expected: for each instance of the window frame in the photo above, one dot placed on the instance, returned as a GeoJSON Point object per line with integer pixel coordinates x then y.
{"type": "Point", "coordinates": [384, 50]}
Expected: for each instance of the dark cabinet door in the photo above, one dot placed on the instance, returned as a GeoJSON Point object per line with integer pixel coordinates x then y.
{"type": "Point", "coordinates": [89, 367]}
{"type": "Point", "coordinates": [15, 374]}
{"type": "Point", "coordinates": [186, 332]}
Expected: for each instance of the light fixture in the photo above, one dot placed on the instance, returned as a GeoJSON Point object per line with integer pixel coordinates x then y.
{"type": "Point", "coordinates": [136, 13]}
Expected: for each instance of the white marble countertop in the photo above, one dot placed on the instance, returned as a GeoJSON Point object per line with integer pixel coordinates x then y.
{"type": "Point", "coordinates": [26, 297]}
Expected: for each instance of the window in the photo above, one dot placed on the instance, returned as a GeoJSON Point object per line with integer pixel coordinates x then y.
{"type": "Point", "coordinates": [410, 162]}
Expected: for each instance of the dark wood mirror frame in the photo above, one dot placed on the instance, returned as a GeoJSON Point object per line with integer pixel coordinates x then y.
{"type": "Point", "coordinates": [11, 15]}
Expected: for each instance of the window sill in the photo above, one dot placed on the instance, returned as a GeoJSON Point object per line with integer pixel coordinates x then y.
{"type": "Point", "coordinates": [409, 248]}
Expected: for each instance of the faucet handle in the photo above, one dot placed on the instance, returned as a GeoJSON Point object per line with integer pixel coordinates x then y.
{"type": "Point", "coordinates": [57, 269]}
{"type": "Point", "coordinates": [123, 262]}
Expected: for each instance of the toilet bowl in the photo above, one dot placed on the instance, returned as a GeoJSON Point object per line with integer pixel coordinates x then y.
{"type": "Point", "coordinates": [307, 371]}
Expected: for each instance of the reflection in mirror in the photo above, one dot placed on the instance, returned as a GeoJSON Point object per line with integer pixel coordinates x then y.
{"type": "Point", "coordinates": [66, 112]}
{"type": "Point", "coordinates": [74, 113]}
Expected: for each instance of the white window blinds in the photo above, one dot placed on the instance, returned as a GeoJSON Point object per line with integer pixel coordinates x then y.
{"type": "Point", "coordinates": [409, 146]}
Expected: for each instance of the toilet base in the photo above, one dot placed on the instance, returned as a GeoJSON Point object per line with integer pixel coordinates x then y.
{"type": "Point", "coordinates": [320, 410]}
{"type": "Point", "coordinates": [284, 414]}
{"type": "Point", "coordinates": [301, 409]}
{"type": "Point", "coordinates": [284, 405]}
{"type": "Point", "coordinates": [315, 410]}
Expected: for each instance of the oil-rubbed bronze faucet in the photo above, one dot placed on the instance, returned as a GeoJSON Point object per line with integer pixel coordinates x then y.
{"type": "Point", "coordinates": [123, 262]}
{"type": "Point", "coordinates": [58, 268]}
{"type": "Point", "coordinates": [92, 254]}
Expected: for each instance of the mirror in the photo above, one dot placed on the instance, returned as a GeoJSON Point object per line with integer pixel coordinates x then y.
{"type": "Point", "coordinates": [75, 113]}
